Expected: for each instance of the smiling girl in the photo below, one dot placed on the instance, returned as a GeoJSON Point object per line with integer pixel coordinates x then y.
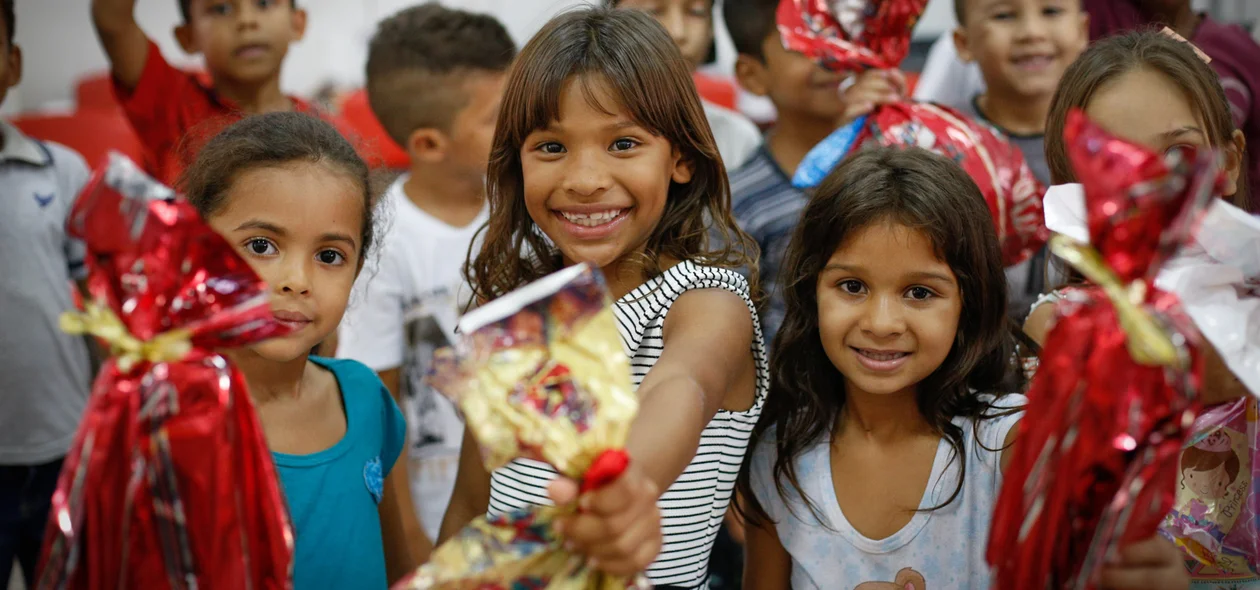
{"type": "Point", "coordinates": [602, 155]}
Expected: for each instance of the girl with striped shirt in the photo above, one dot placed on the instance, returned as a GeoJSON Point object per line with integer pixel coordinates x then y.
{"type": "Point", "coordinates": [602, 154]}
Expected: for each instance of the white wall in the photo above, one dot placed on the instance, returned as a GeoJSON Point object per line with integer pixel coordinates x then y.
{"type": "Point", "coordinates": [60, 45]}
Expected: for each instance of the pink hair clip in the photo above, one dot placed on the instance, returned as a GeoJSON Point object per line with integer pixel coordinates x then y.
{"type": "Point", "coordinates": [1199, 52]}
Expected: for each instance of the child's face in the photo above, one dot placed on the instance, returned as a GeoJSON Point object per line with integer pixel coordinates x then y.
{"type": "Point", "coordinates": [1147, 108]}
{"type": "Point", "coordinates": [595, 181]}
{"type": "Point", "coordinates": [888, 309]}
{"type": "Point", "coordinates": [1211, 484]}
{"type": "Point", "coordinates": [300, 227]}
{"type": "Point", "coordinates": [242, 40]}
{"type": "Point", "coordinates": [795, 84]}
{"type": "Point", "coordinates": [1022, 46]}
{"type": "Point", "coordinates": [472, 131]}
{"type": "Point", "coordinates": [689, 22]}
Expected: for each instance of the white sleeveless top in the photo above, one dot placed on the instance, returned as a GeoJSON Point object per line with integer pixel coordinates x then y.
{"type": "Point", "coordinates": [943, 548]}
{"type": "Point", "coordinates": [693, 508]}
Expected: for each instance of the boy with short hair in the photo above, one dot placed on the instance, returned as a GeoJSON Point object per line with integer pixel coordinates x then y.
{"type": "Point", "coordinates": [434, 80]}
{"type": "Point", "coordinates": [1022, 48]}
{"type": "Point", "coordinates": [174, 112]}
{"type": "Point", "coordinates": [44, 373]}
{"type": "Point", "coordinates": [810, 107]}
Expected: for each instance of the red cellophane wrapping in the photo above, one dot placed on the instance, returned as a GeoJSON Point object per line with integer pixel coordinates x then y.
{"type": "Point", "coordinates": [169, 483]}
{"type": "Point", "coordinates": [1095, 465]}
{"type": "Point", "coordinates": [853, 35]}
{"type": "Point", "coordinates": [999, 169]}
{"type": "Point", "coordinates": [850, 34]}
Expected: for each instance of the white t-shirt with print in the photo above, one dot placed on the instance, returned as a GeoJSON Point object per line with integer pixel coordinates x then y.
{"type": "Point", "coordinates": [406, 304]}
{"type": "Point", "coordinates": [944, 548]}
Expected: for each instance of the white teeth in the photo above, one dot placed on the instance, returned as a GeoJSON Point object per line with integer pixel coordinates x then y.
{"type": "Point", "coordinates": [882, 356]}
{"type": "Point", "coordinates": [592, 219]}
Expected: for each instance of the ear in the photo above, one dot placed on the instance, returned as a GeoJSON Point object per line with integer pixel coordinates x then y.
{"type": "Point", "coordinates": [963, 45]}
{"type": "Point", "coordinates": [187, 41]}
{"type": "Point", "coordinates": [427, 145]}
{"type": "Point", "coordinates": [684, 168]}
{"type": "Point", "coordinates": [299, 24]}
{"type": "Point", "coordinates": [15, 67]}
{"type": "Point", "coordinates": [1234, 150]}
{"type": "Point", "coordinates": [751, 74]}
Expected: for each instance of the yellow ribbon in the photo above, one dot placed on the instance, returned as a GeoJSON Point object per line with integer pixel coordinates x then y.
{"type": "Point", "coordinates": [1148, 342]}
{"type": "Point", "coordinates": [127, 350]}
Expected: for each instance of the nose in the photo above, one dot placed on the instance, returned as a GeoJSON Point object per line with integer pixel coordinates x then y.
{"type": "Point", "coordinates": [246, 14]}
{"type": "Point", "coordinates": [884, 316]}
{"type": "Point", "coordinates": [587, 174]}
{"type": "Point", "coordinates": [674, 22]}
{"type": "Point", "coordinates": [1032, 26]}
{"type": "Point", "coordinates": [295, 278]}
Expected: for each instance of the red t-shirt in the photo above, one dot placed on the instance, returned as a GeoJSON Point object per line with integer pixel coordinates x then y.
{"type": "Point", "coordinates": [1235, 59]}
{"type": "Point", "coordinates": [176, 112]}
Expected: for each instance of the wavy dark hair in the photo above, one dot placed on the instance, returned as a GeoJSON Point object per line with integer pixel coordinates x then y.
{"type": "Point", "coordinates": [933, 195]}
{"type": "Point", "coordinates": [633, 57]}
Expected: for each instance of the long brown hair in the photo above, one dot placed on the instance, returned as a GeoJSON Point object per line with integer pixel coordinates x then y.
{"type": "Point", "coordinates": [931, 194]}
{"type": "Point", "coordinates": [1108, 59]}
{"type": "Point", "coordinates": [633, 56]}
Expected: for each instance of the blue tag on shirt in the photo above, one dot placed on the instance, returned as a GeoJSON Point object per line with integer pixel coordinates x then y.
{"type": "Point", "coordinates": [824, 157]}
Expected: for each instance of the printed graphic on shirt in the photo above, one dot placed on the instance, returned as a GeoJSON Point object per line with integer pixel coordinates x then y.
{"type": "Point", "coordinates": [434, 424]}
{"type": "Point", "coordinates": [907, 579]}
{"type": "Point", "coordinates": [44, 200]}
{"type": "Point", "coordinates": [374, 479]}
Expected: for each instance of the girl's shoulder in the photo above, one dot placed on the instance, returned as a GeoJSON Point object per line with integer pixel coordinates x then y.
{"type": "Point", "coordinates": [990, 427]}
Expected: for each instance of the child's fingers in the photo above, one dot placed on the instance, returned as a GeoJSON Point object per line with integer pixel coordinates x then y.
{"type": "Point", "coordinates": [1145, 578]}
{"type": "Point", "coordinates": [632, 549]}
{"type": "Point", "coordinates": [1155, 551]}
{"type": "Point", "coordinates": [898, 80]}
{"type": "Point", "coordinates": [562, 491]}
{"type": "Point", "coordinates": [627, 493]}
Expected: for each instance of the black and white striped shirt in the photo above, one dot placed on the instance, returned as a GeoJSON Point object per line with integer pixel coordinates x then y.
{"type": "Point", "coordinates": [692, 509]}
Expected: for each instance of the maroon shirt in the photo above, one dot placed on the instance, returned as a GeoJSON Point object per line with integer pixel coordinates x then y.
{"type": "Point", "coordinates": [1235, 58]}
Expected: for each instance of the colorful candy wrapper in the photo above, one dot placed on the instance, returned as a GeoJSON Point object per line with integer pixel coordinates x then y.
{"type": "Point", "coordinates": [850, 35]}
{"type": "Point", "coordinates": [169, 483]}
{"type": "Point", "coordinates": [1114, 397]}
{"type": "Point", "coordinates": [853, 35]}
{"type": "Point", "coordinates": [539, 374]}
{"type": "Point", "coordinates": [1214, 519]}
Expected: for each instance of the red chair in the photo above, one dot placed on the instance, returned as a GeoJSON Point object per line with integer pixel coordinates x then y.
{"type": "Point", "coordinates": [718, 90]}
{"type": "Point", "coordinates": [96, 92]}
{"type": "Point", "coordinates": [357, 113]}
{"type": "Point", "coordinates": [91, 133]}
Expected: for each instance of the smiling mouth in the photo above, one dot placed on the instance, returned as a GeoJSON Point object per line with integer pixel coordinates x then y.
{"type": "Point", "coordinates": [1033, 62]}
{"type": "Point", "coordinates": [880, 360]}
{"type": "Point", "coordinates": [598, 219]}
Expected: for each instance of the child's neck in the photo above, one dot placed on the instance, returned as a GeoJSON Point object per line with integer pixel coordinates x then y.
{"type": "Point", "coordinates": [1017, 115]}
{"type": "Point", "coordinates": [254, 98]}
{"type": "Point", "coordinates": [455, 202]}
{"type": "Point", "coordinates": [883, 418]}
{"type": "Point", "coordinates": [268, 380]}
{"type": "Point", "coordinates": [793, 136]}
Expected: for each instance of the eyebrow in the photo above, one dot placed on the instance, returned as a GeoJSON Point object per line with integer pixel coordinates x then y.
{"type": "Point", "coordinates": [272, 228]}
{"type": "Point", "coordinates": [914, 276]}
{"type": "Point", "coordinates": [1180, 131]}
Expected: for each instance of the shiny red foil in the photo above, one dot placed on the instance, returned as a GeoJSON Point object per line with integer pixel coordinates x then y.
{"type": "Point", "coordinates": [850, 34]}
{"type": "Point", "coordinates": [1095, 465]}
{"type": "Point", "coordinates": [1010, 190]}
{"type": "Point", "coordinates": [169, 483]}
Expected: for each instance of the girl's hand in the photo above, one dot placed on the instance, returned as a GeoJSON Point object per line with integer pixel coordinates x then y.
{"type": "Point", "coordinates": [618, 527]}
{"type": "Point", "coordinates": [869, 89]}
{"type": "Point", "coordinates": [1153, 564]}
